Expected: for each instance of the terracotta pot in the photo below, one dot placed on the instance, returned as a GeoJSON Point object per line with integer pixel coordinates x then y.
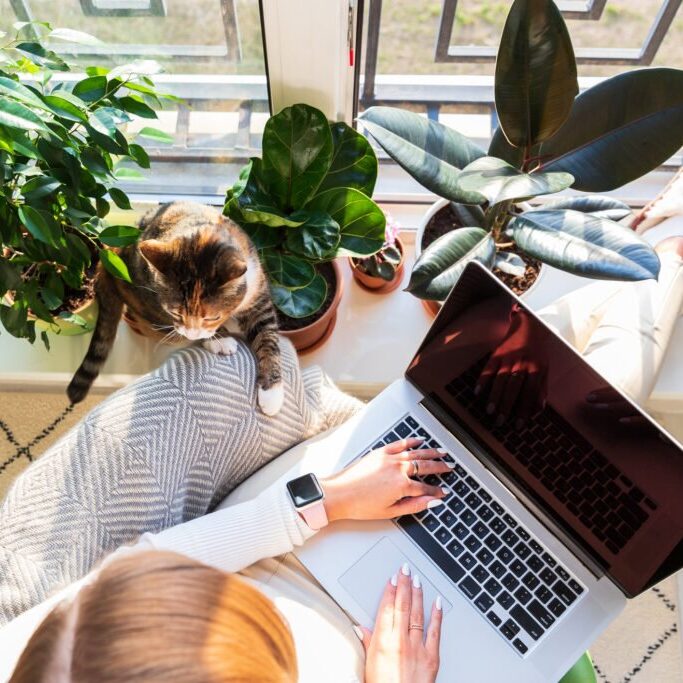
{"type": "Point", "coordinates": [309, 338]}
{"type": "Point", "coordinates": [433, 307]}
{"type": "Point", "coordinates": [377, 284]}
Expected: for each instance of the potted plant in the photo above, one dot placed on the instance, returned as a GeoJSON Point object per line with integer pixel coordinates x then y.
{"type": "Point", "coordinates": [548, 140]}
{"type": "Point", "coordinates": [62, 154]}
{"type": "Point", "coordinates": [382, 272]}
{"type": "Point", "coordinates": [305, 203]}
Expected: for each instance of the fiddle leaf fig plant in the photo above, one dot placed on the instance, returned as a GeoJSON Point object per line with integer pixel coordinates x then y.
{"type": "Point", "coordinates": [61, 153]}
{"type": "Point", "coordinates": [549, 139]}
{"type": "Point", "coordinates": [307, 201]}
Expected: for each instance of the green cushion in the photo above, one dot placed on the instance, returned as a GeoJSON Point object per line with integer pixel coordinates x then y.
{"type": "Point", "coordinates": [581, 672]}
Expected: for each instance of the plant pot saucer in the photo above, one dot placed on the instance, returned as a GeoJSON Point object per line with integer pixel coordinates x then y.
{"type": "Point", "coordinates": [322, 340]}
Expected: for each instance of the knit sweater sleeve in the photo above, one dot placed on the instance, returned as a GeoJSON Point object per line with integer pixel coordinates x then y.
{"type": "Point", "coordinates": [235, 537]}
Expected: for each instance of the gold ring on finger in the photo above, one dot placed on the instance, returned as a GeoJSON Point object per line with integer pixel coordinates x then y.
{"type": "Point", "coordinates": [416, 468]}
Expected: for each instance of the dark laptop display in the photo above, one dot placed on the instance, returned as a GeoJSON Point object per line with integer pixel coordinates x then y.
{"type": "Point", "coordinates": [527, 403]}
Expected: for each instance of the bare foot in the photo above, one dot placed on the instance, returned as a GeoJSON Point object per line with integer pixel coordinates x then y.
{"type": "Point", "coordinates": [674, 244]}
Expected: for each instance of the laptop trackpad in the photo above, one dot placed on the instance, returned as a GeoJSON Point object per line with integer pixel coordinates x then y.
{"type": "Point", "coordinates": [366, 579]}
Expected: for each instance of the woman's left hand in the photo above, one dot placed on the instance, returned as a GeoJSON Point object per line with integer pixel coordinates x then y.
{"type": "Point", "coordinates": [380, 484]}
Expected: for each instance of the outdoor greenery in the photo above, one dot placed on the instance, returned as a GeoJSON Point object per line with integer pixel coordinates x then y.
{"type": "Point", "coordinates": [61, 155]}
{"type": "Point", "coordinates": [307, 201]}
{"type": "Point", "coordinates": [548, 140]}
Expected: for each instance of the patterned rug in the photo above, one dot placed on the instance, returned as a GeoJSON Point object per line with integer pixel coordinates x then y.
{"type": "Point", "coordinates": [642, 646]}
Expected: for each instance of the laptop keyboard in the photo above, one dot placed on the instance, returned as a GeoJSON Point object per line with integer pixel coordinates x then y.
{"type": "Point", "coordinates": [604, 500]}
{"type": "Point", "coordinates": [519, 588]}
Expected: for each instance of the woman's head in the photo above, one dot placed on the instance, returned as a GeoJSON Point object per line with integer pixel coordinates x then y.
{"type": "Point", "coordinates": [160, 617]}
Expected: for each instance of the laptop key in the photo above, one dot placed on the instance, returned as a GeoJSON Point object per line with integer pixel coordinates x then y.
{"type": "Point", "coordinates": [403, 429]}
{"type": "Point", "coordinates": [504, 555]}
{"type": "Point", "coordinates": [485, 513]}
{"type": "Point", "coordinates": [497, 569]}
{"type": "Point", "coordinates": [522, 595]}
{"type": "Point", "coordinates": [455, 548]}
{"type": "Point", "coordinates": [543, 594]}
{"type": "Point", "coordinates": [412, 422]}
{"type": "Point", "coordinates": [443, 535]}
{"type": "Point", "coordinates": [480, 574]}
{"type": "Point", "coordinates": [548, 576]}
{"type": "Point", "coordinates": [485, 495]}
{"type": "Point", "coordinates": [498, 525]}
{"type": "Point", "coordinates": [493, 618]}
{"type": "Point", "coordinates": [484, 556]}
{"type": "Point", "coordinates": [509, 629]}
{"type": "Point", "coordinates": [390, 438]}
{"type": "Point", "coordinates": [505, 600]}
{"type": "Point", "coordinates": [511, 522]}
{"type": "Point", "coordinates": [510, 582]}
{"type": "Point", "coordinates": [424, 540]}
{"type": "Point", "coordinates": [523, 534]}
{"type": "Point", "coordinates": [473, 500]}
{"type": "Point", "coordinates": [564, 592]}
{"type": "Point", "coordinates": [492, 542]}
{"type": "Point", "coordinates": [538, 549]}
{"type": "Point", "coordinates": [469, 587]}
{"type": "Point", "coordinates": [468, 517]}
{"type": "Point", "coordinates": [448, 519]}
{"type": "Point", "coordinates": [563, 573]}
{"type": "Point", "coordinates": [521, 647]}
{"type": "Point", "coordinates": [461, 531]}
{"type": "Point", "coordinates": [557, 608]}
{"type": "Point", "coordinates": [497, 508]}
{"type": "Point", "coordinates": [484, 602]}
{"type": "Point", "coordinates": [522, 550]}
{"type": "Point", "coordinates": [576, 586]}
{"type": "Point", "coordinates": [527, 622]}
{"type": "Point", "coordinates": [547, 558]}
{"type": "Point", "coordinates": [530, 581]}
{"type": "Point", "coordinates": [473, 543]}
{"type": "Point", "coordinates": [541, 614]}
{"type": "Point", "coordinates": [379, 444]}
{"type": "Point", "coordinates": [535, 563]}
{"type": "Point", "coordinates": [467, 561]}
{"type": "Point", "coordinates": [493, 587]}
{"type": "Point", "coordinates": [510, 537]}
{"type": "Point", "coordinates": [431, 522]}
{"type": "Point", "coordinates": [517, 568]}
{"type": "Point", "coordinates": [480, 529]}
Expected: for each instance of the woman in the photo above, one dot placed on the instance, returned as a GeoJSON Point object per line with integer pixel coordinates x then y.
{"type": "Point", "coordinates": [171, 608]}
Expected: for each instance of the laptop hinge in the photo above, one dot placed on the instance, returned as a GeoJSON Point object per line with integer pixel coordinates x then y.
{"type": "Point", "coordinates": [431, 404]}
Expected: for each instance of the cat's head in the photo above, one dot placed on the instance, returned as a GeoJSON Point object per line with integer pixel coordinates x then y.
{"type": "Point", "coordinates": [201, 279]}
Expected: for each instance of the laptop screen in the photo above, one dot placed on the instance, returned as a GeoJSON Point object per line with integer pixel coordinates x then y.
{"type": "Point", "coordinates": [579, 450]}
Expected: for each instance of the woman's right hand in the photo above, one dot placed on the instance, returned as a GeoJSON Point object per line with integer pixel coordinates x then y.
{"type": "Point", "coordinates": [395, 652]}
{"type": "Point", "coordinates": [380, 484]}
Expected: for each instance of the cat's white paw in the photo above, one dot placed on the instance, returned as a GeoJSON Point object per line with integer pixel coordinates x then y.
{"type": "Point", "coordinates": [224, 346]}
{"type": "Point", "coordinates": [271, 400]}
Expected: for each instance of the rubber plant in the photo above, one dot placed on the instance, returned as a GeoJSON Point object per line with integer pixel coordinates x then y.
{"type": "Point", "coordinates": [307, 201]}
{"type": "Point", "coordinates": [549, 139]}
{"type": "Point", "coordinates": [62, 155]}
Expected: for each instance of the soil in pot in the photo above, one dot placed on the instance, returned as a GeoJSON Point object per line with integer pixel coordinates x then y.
{"type": "Point", "coordinates": [77, 298]}
{"type": "Point", "coordinates": [376, 285]}
{"type": "Point", "coordinates": [288, 324]}
{"type": "Point", "coordinates": [444, 221]}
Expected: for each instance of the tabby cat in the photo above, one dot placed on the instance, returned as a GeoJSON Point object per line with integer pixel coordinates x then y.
{"type": "Point", "coordinates": [195, 275]}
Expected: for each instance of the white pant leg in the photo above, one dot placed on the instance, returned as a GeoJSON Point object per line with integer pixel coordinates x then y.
{"type": "Point", "coordinates": [630, 340]}
{"type": "Point", "coordinates": [576, 315]}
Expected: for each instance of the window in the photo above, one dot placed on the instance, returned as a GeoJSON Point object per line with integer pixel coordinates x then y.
{"type": "Point", "coordinates": [211, 53]}
{"type": "Point", "coordinates": [438, 57]}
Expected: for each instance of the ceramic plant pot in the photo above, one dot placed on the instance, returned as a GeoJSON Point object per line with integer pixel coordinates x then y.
{"type": "Point", "coordinates": [311, 336]}
{"type": "Point", "coordinates": [377, 284]}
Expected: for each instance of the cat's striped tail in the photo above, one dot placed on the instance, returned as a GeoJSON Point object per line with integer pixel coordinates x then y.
{"type": "Point", "coordinates": [110, 310]}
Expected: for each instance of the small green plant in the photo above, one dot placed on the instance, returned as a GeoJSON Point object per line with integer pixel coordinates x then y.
{"type": "Point", "coordinates": [307, 201]}
{"type": "Point", "coordinates": [384, 263]}
{"type": "Point", "coordinates": [62, 154]}
{"type": "Point", "coordinates": [548, 140]}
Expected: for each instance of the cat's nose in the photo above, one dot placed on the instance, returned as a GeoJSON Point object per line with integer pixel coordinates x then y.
{"type": "Point", "coordinates": [190, 332]}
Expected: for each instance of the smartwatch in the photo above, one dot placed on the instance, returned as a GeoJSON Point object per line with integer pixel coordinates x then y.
{"type": "Point", "coordinates": [309, 500]}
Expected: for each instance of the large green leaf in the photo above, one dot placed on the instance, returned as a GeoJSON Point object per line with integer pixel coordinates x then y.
{"type": "Point", "coordinates": [287, 270]}
{"type": "Point", "coordinates": [300, 303]}
{"type": "Point", "coordinates": [315, 239]}
{"type": "Point", "coordinates": [495, 181]}
{"type": "Point", "coordinates": [585, 245]}
{"type": "Point", "coordinates": [429, 151]}
{"type": "Point", "coordinates": [262, 236]}
{"type": "Point", "coordinates": [595, 204]}
{"type": "Point", "coordinates": [18, 91]}
{"type": "Point", "coordinates": [620, 129]}
{"type": "Point", "coordinates": [114, 264]}
{"type": "Point", "coordinates": [535, 73]}
{"type": "Point", "coordinates": [16, 115]}
{"type": "Point", "coordinates": [40, 186]}
{"type": "Point", "coordinates": [65, 109]}
{"type": "Point", "coordinates": [442, 262]}
{"type": "Point", "coordinates": [250, 201]}
{"type": "Point", "coordinates": [119, 235]}
{"type": "Point", "coordinates": [91, 89]}
{"type": "Point", "coordinates": [468, 214]}
{"type": "Point", "coordinates": [361, 222]}
{"type": "Point", "coordinates": [502, 149]}
{"type": "Point", "coordinates": [297, 152]}
{"type": "Point", "coordinates": [40, 224]}
{"type": "Point", "coordinates": [354, 163]}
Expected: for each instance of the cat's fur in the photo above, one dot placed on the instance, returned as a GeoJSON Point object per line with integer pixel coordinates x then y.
{"type": "Point", "coordinates": [194, 273]}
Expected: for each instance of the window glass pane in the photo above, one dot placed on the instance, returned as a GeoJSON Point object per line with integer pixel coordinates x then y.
{"type": "Point", "coordinates": [437, 57]}
{"type": "Point", "coordinates": [211, 55]}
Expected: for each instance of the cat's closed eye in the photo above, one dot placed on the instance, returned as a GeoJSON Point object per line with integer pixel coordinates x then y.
{"type": "Point", "coordinates": [212, 319]}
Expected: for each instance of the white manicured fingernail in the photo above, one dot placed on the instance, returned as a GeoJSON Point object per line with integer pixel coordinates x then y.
{"type": "Point", "coordinates": [438, 603]}
{"type": "Point", "coordinates": [405, 569]}
{"type": "Point", "coordinates": [394, 580]}
{"type": "Point", "coordinates": [358, 632]}
{"type": "Point", "coordinates": [437, 502]}
{"type": "Point", "coordinates": [445, 491]}
{"type": "Point", "coordinates": [443, 451]}
{"type": "Point", "coordinates": [416, 582]}
{"type": "Point", "coordinates": [449, 464]}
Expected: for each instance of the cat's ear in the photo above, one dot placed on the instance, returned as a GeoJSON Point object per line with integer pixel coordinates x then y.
{"type": "Point", "coordinates": [231, 269]}
{"type": "Point", "coordinates": [159, 255]}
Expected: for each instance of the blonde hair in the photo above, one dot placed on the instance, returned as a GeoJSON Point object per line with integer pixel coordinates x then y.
{"type": "Point", "coordinates": [158, 617]}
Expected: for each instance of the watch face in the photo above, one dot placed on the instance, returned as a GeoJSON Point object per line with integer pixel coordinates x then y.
{"type": "Point", "coordinates": [304, 490]}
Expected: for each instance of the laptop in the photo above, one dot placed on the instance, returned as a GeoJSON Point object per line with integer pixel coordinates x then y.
{"type": "Point", "coordinates": [558, 510]}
